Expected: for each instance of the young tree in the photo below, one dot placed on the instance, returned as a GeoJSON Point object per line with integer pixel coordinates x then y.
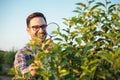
{"type": "Point", "coordinates": [89, 48]}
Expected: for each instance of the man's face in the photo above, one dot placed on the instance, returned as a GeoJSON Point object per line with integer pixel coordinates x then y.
{"type": "Point", "coordinates": [37, 26]}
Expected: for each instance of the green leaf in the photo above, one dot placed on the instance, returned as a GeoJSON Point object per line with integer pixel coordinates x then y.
{"type": "Point", "coordinates": [77, 11]}
{"type": "Point", "coordinates": [72, 23]}
{"type": "Point", "coordinates": [54, 32]}
{"type": "Point", "coordinates": [111, 6]}
{"type": "Point", "coordinates": [78, 40]}
{"type": "Point", "coordinates": [58, 30]}
{"type": "Point", "coordinates": [108, 57]}
{"type": "Point", "coordinates": [100, 4]}
{"type": "Point", "coordinates": [87, 48]}
{"type": "Point", "coordinates": [94, 7]}
{"type": "Point", "coordinates": [91, 1]}
{"type": "Point", "coordinates": [58, 39]}
{"type": "Point", "coordinates": [108, 2]}
{"type": "Point", "coordinates": [81, 4]}
{"type": "Point", "coordinates": [65, 37]}
{"type": "Point", "coordinates": [117, 52]}
{"type": "Point", "coordinates": [96, 61]}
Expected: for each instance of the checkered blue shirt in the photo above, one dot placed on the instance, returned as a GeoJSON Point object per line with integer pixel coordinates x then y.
{"type": "Point", "coordinates": [23, 59]}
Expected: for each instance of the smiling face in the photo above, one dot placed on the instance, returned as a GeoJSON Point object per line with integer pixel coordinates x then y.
{"type": "Point", "coordinates": [37, 26]}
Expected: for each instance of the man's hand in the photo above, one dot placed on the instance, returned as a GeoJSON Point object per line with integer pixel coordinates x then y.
{"type": "Point", "coordinates": [33, 67]}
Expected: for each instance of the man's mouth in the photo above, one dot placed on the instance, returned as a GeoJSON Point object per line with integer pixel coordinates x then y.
{"type": "Point", "coordinates": [41, 35]}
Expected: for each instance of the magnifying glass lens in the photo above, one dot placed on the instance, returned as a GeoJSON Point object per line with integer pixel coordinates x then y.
{"type": "Point", "coordinates": [51, 27]}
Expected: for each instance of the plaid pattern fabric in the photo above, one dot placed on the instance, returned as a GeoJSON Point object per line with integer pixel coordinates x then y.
{"type": "Point", "coordinates": [23, 59]}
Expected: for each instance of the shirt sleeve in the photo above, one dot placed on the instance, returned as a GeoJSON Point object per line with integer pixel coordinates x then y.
{"type": "Point", "coordinates": [20, 63]}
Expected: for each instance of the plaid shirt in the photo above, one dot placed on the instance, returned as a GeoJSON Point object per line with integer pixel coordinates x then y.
{"type": "Point", "coordinates": [23, 59]}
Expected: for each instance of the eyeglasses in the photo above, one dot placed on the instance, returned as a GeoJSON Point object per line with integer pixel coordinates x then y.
{"type": "Point", "coordinates": [37, 27]}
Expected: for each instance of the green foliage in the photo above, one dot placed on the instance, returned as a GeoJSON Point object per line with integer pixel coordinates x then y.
{"type": "Point", "coordinates": [1, 56]}
{"type": "Point", "coordinates": [1, 59]}
{"type": "Point", "coordinates": [6, 61]}
{"type": "Point", "coordinates": [9, 57]}
{"type": "Point", "coordinates": [89, 48]}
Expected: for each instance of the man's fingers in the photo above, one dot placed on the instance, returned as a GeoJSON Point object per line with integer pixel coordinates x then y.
{"type": "Point", "coordinates": [49, 41]}
{"type": "Point", "coordinates": [32, 67]}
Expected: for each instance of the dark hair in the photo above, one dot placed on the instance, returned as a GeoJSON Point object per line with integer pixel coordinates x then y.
{"type": "Point", "coordinates": [35, 14]}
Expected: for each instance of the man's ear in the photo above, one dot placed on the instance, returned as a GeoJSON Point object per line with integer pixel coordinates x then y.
{"type": "Point", "coordinates": [28, 30]}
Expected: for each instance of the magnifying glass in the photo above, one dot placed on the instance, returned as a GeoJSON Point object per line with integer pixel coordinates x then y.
{"type": "Point", "coordinates": [51, 27]}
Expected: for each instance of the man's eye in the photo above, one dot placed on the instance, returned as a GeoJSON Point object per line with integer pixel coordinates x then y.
{"type": "Point", "coordinates": [43, 26]}
{"type": "Point", "coordinates": [35, 27]}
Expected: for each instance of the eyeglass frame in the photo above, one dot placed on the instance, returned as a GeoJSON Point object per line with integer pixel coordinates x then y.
{"type": "Point", "coordinates": [37, 27]}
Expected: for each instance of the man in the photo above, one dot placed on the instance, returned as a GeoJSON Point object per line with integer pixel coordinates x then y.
{"type": "Point", "coordinates": [36, 24]}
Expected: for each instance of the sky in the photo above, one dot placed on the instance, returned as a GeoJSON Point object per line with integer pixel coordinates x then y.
{"type": "Point", "coordinates": [13, 15]}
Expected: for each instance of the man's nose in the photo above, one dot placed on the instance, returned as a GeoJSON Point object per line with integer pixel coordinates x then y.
{"type": "Point", "coordinates": [40, 30]}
